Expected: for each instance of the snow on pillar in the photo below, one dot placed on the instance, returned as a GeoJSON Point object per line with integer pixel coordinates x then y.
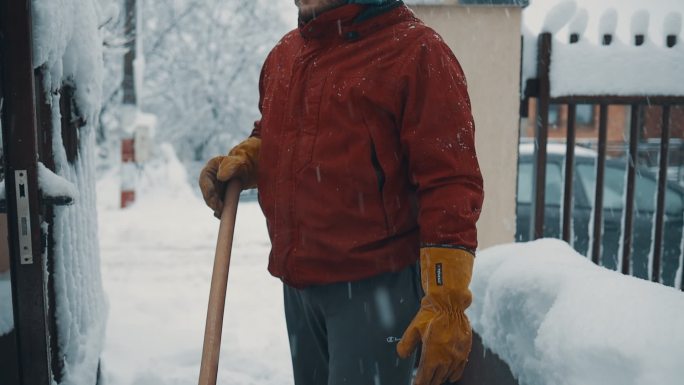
{"type": "Point", "coordinates": [578, 25]}
{"type": "Point", "coordinates": [672, 27]}
{"type": "Point", "coordinates": [607, 26]}
{"type": "Point", "coordinates": [639, 26]}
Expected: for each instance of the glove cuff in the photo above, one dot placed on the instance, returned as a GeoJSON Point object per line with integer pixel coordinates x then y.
{"type": "Point", "coordinates": [445, 276]}
{"type": "Point", "coordinates": [248, 166]}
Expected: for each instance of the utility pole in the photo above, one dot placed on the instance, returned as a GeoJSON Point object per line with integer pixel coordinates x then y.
{"type": "Point", "coordinates": [130, 31]}
{"type": "Point", "coordinates": [130, 106]}
{"type": "Point", "coordinates": [137, 127]}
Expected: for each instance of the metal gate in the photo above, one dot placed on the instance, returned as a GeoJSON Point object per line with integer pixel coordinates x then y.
{"type": "Point", "coordinates": [628, 224]}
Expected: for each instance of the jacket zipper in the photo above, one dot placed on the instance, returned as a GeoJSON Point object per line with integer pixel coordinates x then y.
{"type": "Point", "coordinates": [290, 256]}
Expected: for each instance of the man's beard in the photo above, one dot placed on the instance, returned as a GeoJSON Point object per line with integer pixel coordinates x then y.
{"type": "Point", "coordinates": [312, 13]}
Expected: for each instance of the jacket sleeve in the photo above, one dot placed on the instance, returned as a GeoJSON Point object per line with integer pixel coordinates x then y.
{"type": "Point", "coordinates": [438, 138]}
{"type": "Point", "coordinates": [256, 131]}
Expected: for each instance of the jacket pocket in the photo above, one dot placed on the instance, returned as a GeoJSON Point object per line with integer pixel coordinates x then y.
{"type": "Point", "coordinates": [381, 178]}
{"type": "Point", "coordinates": [307, 125]}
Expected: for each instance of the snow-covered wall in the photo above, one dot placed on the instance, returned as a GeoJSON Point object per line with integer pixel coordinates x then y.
{"type": "Point", "coordinates": [68, 43]}
{"type": "Point", "coordinates": [590, 67]}
{"type": "Point", "coordinates": [557, 318]}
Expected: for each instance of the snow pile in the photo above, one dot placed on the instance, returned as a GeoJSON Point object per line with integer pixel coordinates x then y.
{"type": "Point", "coordinates": [67, 43]}
{"type": "Point", "coordinates": [53, 185]}
{"type": "Point", "coordinates": [591, 67]}
{"type": "Point", "coordinates": [556, 318]}
{"type": "Point", "coordinates": [6, 311]}
{"type": "Point", "coordinates": [162, 177]}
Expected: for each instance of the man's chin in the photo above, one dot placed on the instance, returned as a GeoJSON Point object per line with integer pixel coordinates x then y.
{"type": "Point", "coordinates": [308, 13]}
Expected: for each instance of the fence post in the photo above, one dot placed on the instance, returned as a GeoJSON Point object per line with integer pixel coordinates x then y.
{"type": "Point", "coordinates": [542, 134]}
{"type": "Point", "coordinates": [632, 161]}
{"type": "Point", "coordinates": [569, 173]}
{"type": "Point", "coordinates": [130, 101]}
{"type": "Point", "coordinates": [662, 187]}
{"type": "Point", "coordinates": [128, 172]}
{"type": "Point", "coordinates": [600, 181]}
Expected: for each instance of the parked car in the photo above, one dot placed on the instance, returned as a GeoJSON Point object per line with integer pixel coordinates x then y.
{"type": "Point", "coordinates": [583, 196]}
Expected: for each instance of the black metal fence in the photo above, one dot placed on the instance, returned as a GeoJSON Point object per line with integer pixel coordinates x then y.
{"type": "Point", "coordinates": [664, 227]}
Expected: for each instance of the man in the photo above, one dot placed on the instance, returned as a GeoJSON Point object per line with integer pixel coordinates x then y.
{"type": "Point", "coordinates": [365, 161]}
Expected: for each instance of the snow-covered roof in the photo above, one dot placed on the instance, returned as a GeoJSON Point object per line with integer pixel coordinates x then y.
{"type": "Point", "coordinates": [521, 3]}
{"type": "Point", "coordinates": [588, 66]}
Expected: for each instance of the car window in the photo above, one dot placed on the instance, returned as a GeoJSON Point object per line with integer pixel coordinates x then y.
{"type": "Point", "coordinates": [612, 189]}
{"type": "Point", "coordinates": [553, 183]}
{"type": "Point", "coordinates": [645, 192]}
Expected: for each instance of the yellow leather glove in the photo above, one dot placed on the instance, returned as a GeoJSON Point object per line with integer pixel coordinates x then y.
{"type": "Point", "coordinates": [241, 162]}
{"type": "Point", "coordinates": [441, 323]}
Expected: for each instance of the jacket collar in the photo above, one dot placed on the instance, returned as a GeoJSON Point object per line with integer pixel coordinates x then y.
{"type": "Point", "coordinates": [352, 21]}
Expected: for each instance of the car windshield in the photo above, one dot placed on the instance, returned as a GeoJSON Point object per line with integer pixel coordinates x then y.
{"type": "Point", "coordinates": [553, 183]}
{"type": "Point", "coordinates": [645, 192]}
{"type": "Point", "coordinates": [613, 193]}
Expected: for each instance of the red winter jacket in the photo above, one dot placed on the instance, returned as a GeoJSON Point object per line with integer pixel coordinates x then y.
{"type": "Point", "coordinates": [367, 147]}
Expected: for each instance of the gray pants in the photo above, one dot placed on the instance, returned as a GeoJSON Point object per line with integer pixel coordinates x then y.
{"type": "Point", "coordinates": [346, 333]}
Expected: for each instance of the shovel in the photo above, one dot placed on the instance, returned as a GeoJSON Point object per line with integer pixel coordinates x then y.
{"type": "Point", "coordinates": [219, 282]}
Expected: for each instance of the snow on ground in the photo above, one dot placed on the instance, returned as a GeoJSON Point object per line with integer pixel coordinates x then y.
{"type": "Point", "coordinates": [157, 260]}
{"type": "Point", "coordinates": [554, 316]}
{"type": "Point", "coordinates": [557, 318]}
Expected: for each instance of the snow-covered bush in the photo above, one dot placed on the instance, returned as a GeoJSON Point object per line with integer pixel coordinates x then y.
{"type": "Point", "coordinates": [201, 67]}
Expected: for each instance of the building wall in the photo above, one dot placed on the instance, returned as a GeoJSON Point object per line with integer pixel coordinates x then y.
{"type": "Point", "coordinates": [653, 122]}
{"type": "Point", "coordinates": [618, 124]}
{"type": "Point", "coordinates": [619, 116]}
{"type": "Point", "coordinates": [486, 41]}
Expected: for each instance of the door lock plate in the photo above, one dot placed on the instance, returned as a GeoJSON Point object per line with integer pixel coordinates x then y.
{"type": "Point", "coordinates": [23, 216]}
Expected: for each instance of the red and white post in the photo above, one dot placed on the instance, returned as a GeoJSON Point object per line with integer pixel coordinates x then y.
{"type": "Point", "coordinates": [128, 172]}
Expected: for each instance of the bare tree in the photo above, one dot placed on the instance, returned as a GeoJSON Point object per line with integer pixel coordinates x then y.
{"type": "Point", "coordinates": [202, 63]}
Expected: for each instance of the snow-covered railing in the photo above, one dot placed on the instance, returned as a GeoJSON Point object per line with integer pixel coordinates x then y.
{"type": "Point", "coordinates": [642, 72]}
{"type": "Point", "coordinates": [596, 48]}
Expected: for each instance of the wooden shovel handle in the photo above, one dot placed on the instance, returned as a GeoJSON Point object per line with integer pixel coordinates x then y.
{"type": "Point", "coordinates": [219, 283]}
